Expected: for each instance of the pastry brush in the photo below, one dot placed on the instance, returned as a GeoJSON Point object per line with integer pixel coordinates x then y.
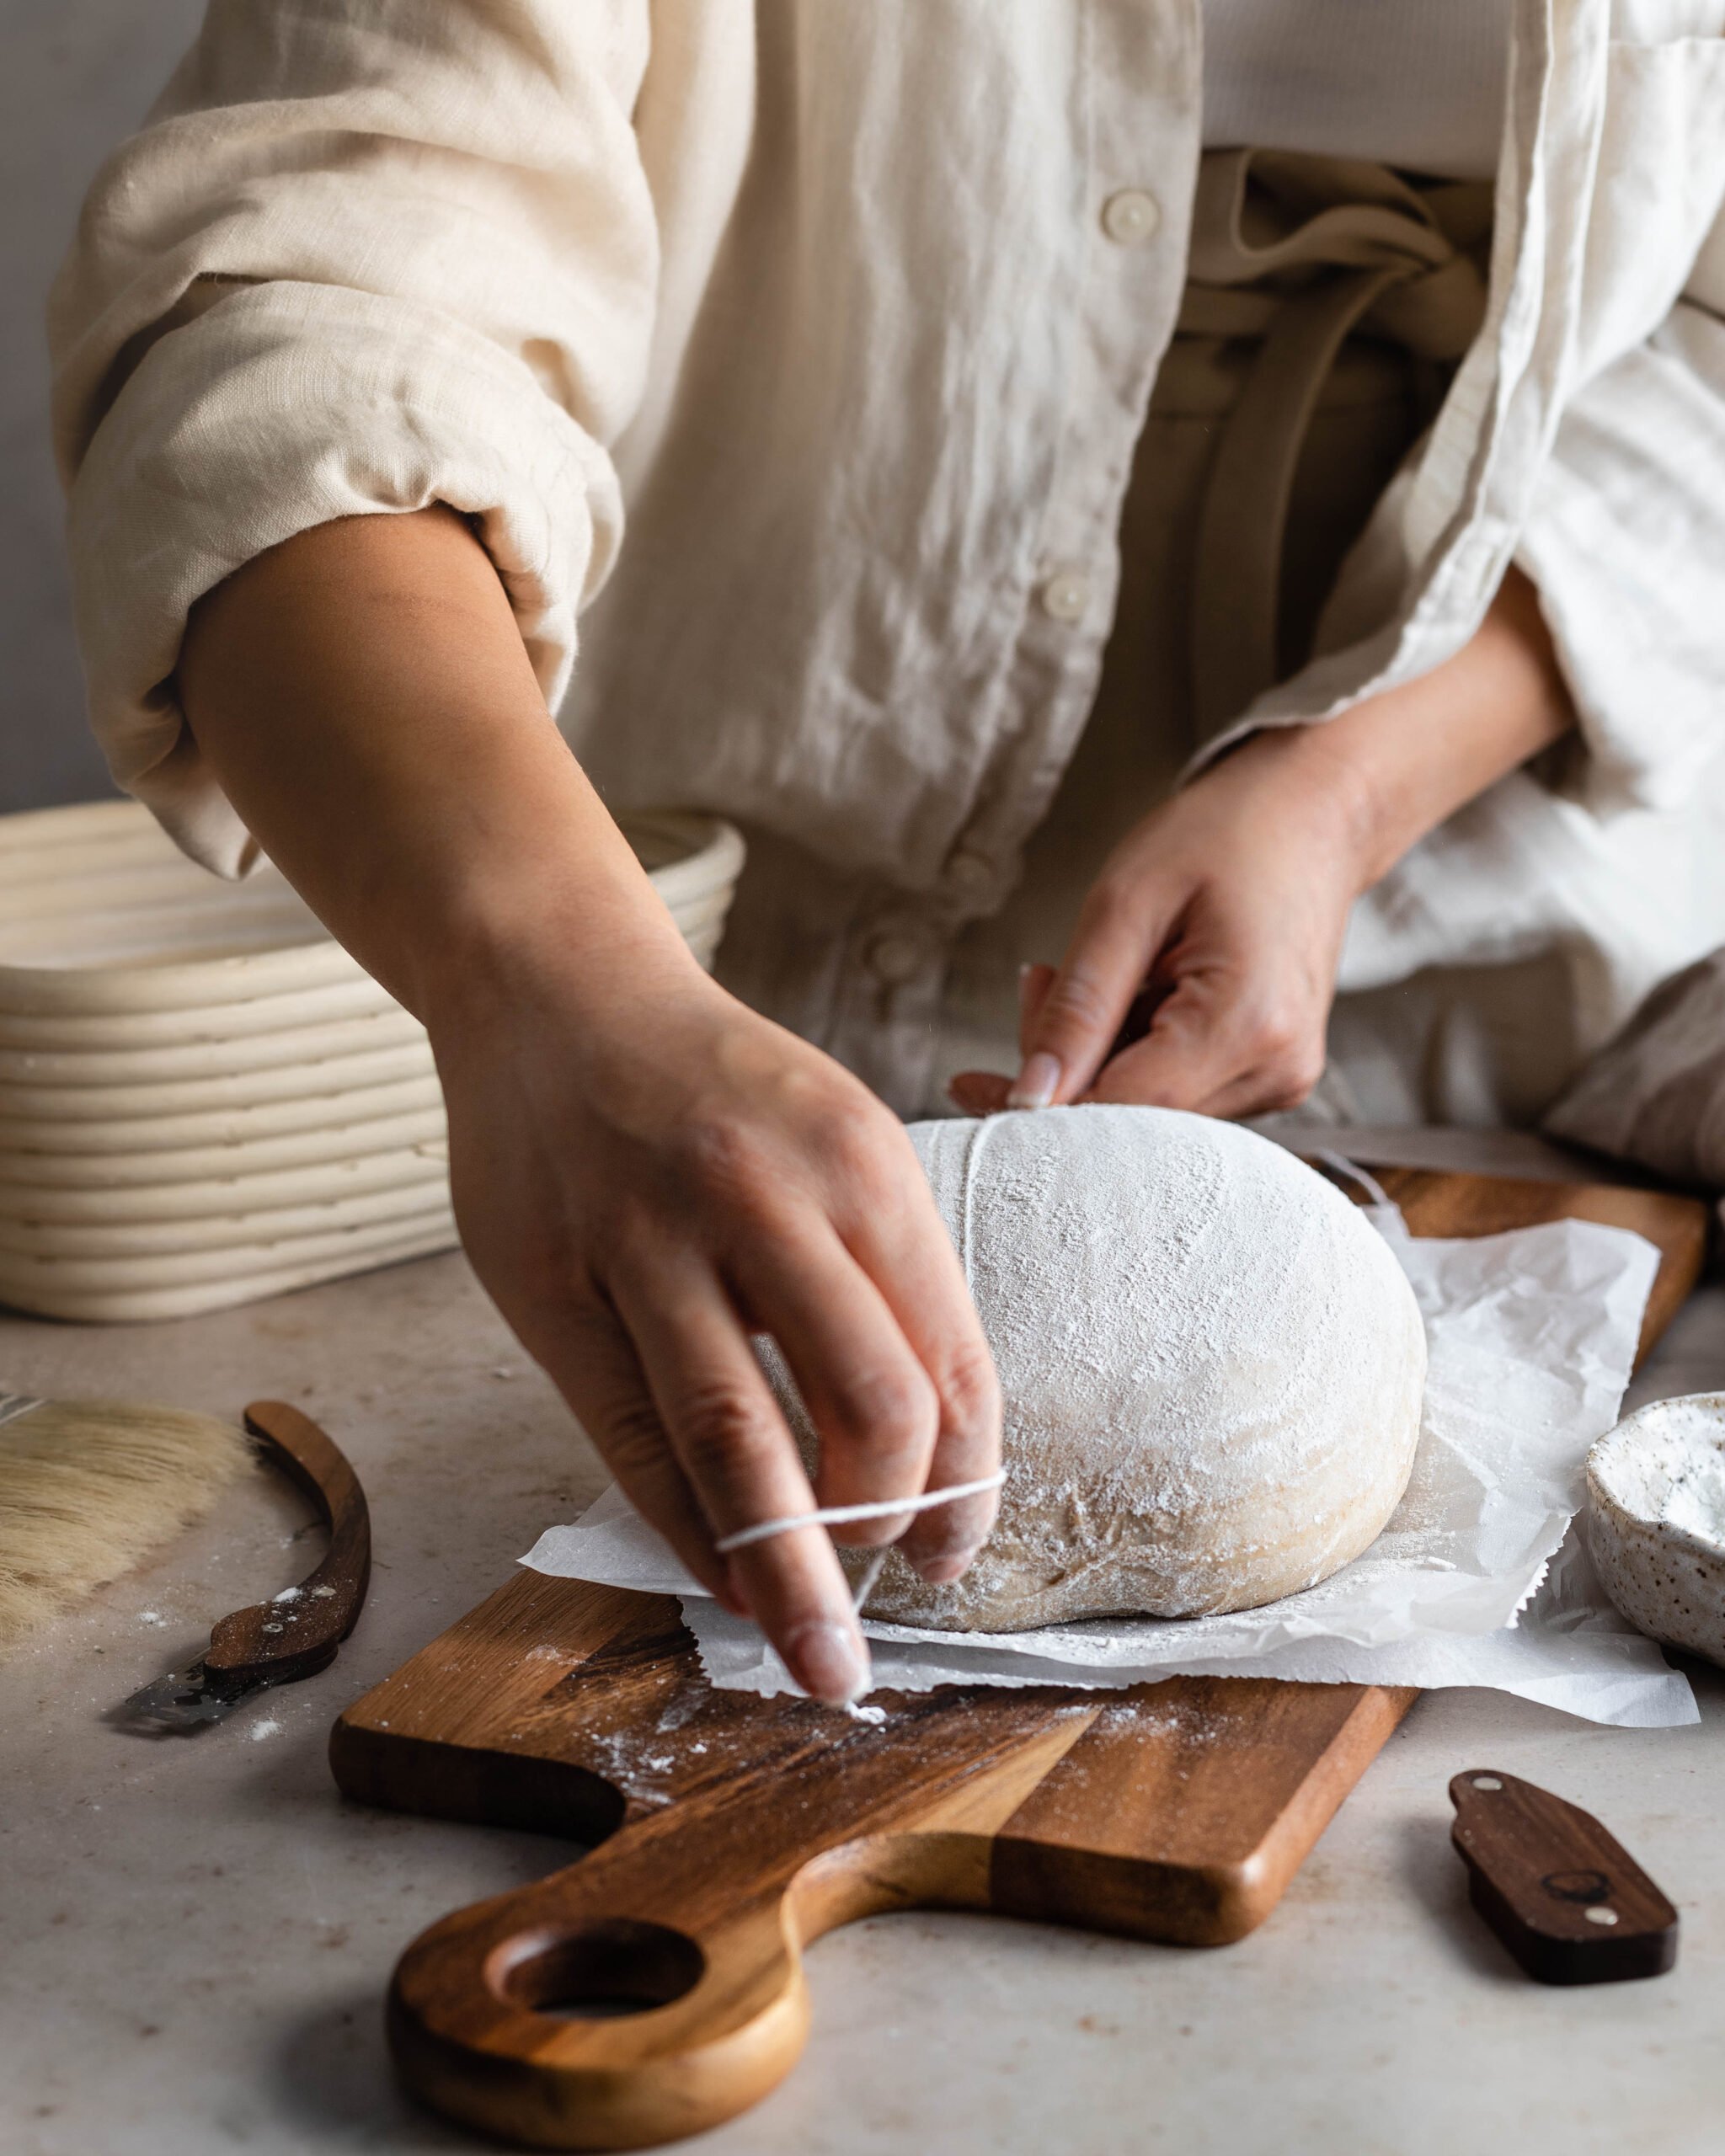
{"type": "Point", "coordinates": [89, 1488]}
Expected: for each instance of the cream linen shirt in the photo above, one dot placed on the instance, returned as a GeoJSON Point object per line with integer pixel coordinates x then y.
{"type": "Point", "coordinates": [856, 305]}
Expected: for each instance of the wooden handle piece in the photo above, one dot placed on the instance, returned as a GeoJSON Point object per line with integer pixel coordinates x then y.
{"type": "Point", "coordinates": [1565, 1897]}
{"type": "Point", "coordinates": [297, 1634]}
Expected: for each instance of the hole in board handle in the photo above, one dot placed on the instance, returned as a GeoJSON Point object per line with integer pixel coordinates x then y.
{"type": "Point", "coordinates": [601, 1972]}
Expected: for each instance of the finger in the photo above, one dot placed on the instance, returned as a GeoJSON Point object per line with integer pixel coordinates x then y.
{"type": "Point", "coordinates": [1191, 1053]}
{"type": "Point", "coordinates": [1260, 1092]}
{"type": "Point", "coordinates": [738, 1452]}
{"type": "Point", "coordinates": [902, 1243]}
{"type": "Point", "coordinates": [1282, 1081]}
{"type": "Point", "coordinates": [1214, 1049]}
{"type": "Point", "coordinates": [1034, 982]}
{"type": "Point", "coordinates": [978, 1092]}
{"type": "Point", "coordinates": [1140, 1015]}
{"type": "Point", "coordinates": [588, 1358]}
{"type": "Point", "coordinates": [1120, 936]}
{"type": "Point", "coordinates": [984, 1092]}
{"type": "Point", "coordinates": [872, 1402]}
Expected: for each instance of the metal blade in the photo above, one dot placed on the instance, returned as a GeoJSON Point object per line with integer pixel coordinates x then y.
{"type": "Point", "coordinates": [184, 1700]}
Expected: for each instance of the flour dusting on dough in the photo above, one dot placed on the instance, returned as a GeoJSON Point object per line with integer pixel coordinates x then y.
{"type": "Point", "coordinates": [1212, 1365]}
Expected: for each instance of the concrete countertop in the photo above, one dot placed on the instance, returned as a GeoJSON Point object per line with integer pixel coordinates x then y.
{"type": "Point", "coordinates": [195, 1936]}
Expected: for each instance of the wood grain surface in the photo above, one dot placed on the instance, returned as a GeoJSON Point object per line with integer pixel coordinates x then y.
{"type": "Point", "coordinates": [1439, 1203]}
{"type": "Point", "coordinates": [1564, 1896]}
{"type": "Point", "coordinates": [655, 1987]}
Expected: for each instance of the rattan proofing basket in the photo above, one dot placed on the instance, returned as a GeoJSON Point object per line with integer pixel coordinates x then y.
{"type": "Point", "coordinates": [203, 1099]}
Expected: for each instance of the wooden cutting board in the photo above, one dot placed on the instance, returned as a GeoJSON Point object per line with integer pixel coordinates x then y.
{"type": "Point", "coordinates": [655, 1988]}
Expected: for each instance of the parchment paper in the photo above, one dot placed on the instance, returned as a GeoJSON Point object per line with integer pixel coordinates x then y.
{"type": "Point", "coordinates": [1532, 1336]}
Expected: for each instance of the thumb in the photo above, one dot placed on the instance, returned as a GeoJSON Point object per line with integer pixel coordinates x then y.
{"type": "Point", "coordinates": [1070, 1027]}
{"type": "Point", "coordinates": [1186, 1059]}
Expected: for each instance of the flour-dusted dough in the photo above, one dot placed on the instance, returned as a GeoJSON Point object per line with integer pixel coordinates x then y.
{"type": "Point", "coordinates": [1213, 1368]}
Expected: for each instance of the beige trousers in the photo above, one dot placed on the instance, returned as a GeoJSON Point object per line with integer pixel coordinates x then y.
{"type": "Point", "coordinates": [1327, 305]}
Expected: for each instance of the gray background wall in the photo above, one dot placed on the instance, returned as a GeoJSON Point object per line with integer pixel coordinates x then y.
{"type": "Point", "coordinates": [75, 76]}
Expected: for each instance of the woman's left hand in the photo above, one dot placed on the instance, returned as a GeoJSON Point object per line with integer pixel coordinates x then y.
{"type": "Point", "coordinates": [1221, 915]}
{"type": "Point", "coordinates": [1224, 910]}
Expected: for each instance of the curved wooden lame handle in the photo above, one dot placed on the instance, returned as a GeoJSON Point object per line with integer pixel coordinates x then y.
{"type": "Point", "coordinates": [297, 1634]}
{"type": "Point", "coordinates": [655, 1989]}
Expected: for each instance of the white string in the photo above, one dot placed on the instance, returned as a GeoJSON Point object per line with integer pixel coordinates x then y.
{"type": "Point", "coordinates": [867, 1577]}
{"type": "Point", "coordinates": [838, 1515]}
{"type": "Point", "coordinates": [1354, 1173]}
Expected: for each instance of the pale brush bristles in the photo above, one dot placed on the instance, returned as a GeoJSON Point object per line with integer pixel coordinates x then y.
{"type": "Point", "coordinates": [89, 1488]}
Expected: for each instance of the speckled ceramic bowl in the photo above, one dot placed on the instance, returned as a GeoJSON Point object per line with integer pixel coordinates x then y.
{"type": "Point", "coordinates": [1656, 1485]}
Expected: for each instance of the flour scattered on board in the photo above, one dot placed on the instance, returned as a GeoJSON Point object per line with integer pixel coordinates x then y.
{"type": "Point", "coordinates": [268, 1728]}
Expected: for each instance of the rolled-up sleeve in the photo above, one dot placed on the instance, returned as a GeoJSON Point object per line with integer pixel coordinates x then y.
{"type": "Point", "coordinates": [366, 255]}
{"type": "Point", "coordinates": [1626, 545]}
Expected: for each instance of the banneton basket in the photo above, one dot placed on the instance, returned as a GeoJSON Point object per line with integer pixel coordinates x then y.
{"type": "Point", "coordinates": [203, 1099]}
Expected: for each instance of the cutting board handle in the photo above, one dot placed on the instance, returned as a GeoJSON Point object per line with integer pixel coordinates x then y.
{"type": "Point", "coordinates": [655, 1988]}
{"type": "Point", "coordinates": [550, 2017]}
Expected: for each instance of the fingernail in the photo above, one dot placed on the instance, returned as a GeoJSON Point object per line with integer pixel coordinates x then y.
{"type": "Point", "coordinates": [1037, 1083]}
{"type": "Point", "coordinates": [829, 1661]}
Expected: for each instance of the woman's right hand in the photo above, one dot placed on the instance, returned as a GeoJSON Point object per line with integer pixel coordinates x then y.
{"type": "Point", "coordinates": [645, 1173]}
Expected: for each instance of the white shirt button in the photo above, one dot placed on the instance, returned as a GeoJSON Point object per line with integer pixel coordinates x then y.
{"type": "Point", "coordinates": [1131, 218]}
{"type": "Point", "coordinates": [893, 958]}
{"type": "Point", "coordinates": [971, 874]}
{"type": "Point", "coordinates": [1067, 594]}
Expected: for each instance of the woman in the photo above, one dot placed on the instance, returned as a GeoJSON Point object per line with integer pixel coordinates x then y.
{"type": "Point", "coordinates": [899, 329]}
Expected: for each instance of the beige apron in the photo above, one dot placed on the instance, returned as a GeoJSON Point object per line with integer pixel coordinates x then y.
{"type": "Point", "coordinates": [1327, 304]}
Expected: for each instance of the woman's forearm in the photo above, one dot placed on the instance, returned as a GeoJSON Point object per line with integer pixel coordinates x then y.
{"type": "Point", "coordinates": [1403, 761]}
{"type": "Point", "coordinates": [363, 697]}
{"type": "Point", "coordinates": [643, 1171]}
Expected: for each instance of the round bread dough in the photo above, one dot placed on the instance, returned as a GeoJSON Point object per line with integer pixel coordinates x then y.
{"type": "Point", "coordinates": [1213, 1368]}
